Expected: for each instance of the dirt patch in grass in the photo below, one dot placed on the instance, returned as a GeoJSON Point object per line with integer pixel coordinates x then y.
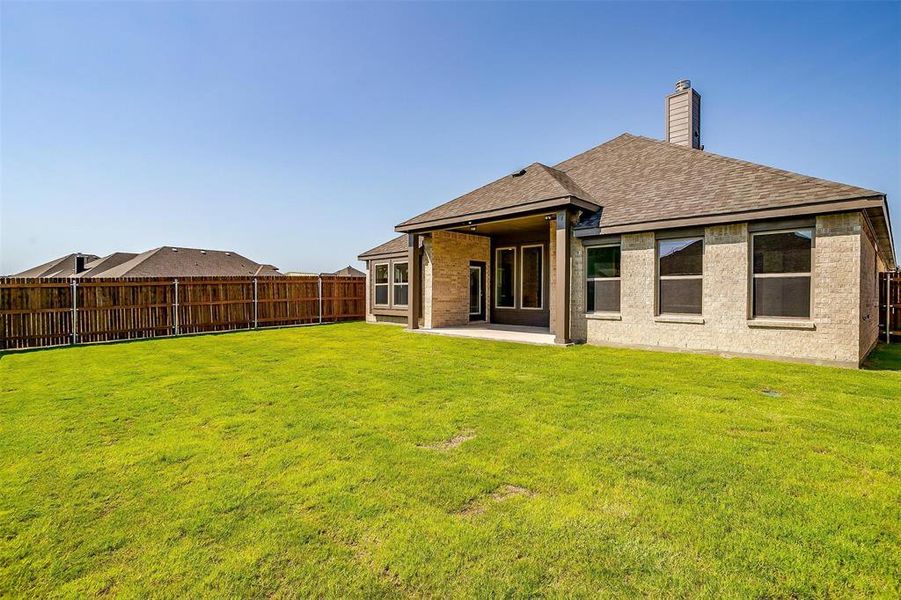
{"type": "Point", "coordinates": [450, 444]}
{"type": "Point", "coordinates": [478, 505]}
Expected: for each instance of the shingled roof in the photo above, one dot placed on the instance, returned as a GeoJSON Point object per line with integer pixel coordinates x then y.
{"type": "Point", "coordinates": [638, 179]}
{"type": "Point", "coordinates": [64, 266]}
{"type": "Point", "coordinates": [632, 183]}
{"type": "Point", "coordinates": [533, 185]}
{"type": "Point", "coordinates": [171, 261]}
{"type": "Point", "coordinates": [394, 246]}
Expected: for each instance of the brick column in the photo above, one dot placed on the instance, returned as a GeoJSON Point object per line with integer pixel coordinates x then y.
{"type": "Point", "coordinates": [415, 280]}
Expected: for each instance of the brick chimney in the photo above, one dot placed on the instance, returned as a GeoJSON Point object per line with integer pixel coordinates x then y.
{"type": "Point", "coordinates": [683, 116]}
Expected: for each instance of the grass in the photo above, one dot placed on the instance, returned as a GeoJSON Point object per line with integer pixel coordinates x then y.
{"type": "Point", "coordinates": [362, 461]}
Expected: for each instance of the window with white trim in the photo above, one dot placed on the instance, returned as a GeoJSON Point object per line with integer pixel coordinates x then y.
{"type": "Point", "coordinates": [680, 271]}
{"type": "Point", "coordinates": [380, 280]}
{"type": "Point", "coordinates": [401, 283]}
{"type": "Point", "coordinates": [603, 279]}
{"type": "Point", "coordinates": [780, 272]}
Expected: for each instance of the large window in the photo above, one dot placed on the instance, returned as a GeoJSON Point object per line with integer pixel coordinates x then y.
{"type": "Point", "coordinates": [681, 271]}
{"type": "Point", "coordinates": [504, 278]}
{"type": "Point", "coordinates": [381, 284]}
{"type": "Point", "coordinates": [603, 285]}
{"type": "Point", "coordinates": [781, 273]}
{"type": "Point", "coordinates": [401, 284]}
{"type": "Point", "coordinates": [532, 264]}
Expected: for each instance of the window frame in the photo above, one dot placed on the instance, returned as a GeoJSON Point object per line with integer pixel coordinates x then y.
{"type": "Point", "coordinates": [752, 287]}
{"type": "Point", "coordinates": [659, 291]}
{"type": "Point", "coordinates": [521, 278]}
{"type": "Point", "coordinates": [375, 284]}
{"type": "Point", "coordinates": [589, 280]}
{"type": "Point", "coordinates": [497, 280]}
{"type": "Point", "coordinates": [395, 285]}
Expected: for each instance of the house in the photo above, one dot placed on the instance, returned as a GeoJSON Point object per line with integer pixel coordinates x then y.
{"type": "Point", "coordinates": [64, 266]}
{"type": "Point", "coordinates": [651, 244]}
{"type": "Point", "coordinates": [166, 261]}
{"type": "Point", "coordinates": [347, 271]}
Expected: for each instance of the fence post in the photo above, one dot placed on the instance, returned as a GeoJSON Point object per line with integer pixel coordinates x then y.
{"type": "Point", "coordinates": [319, 285]}
{"type": "Point", "coordinates": [175, 310]}
{"type": "Point", "coordinates": [74, 311]}
{"type": "Point", "coordinates": [888, 308]}
{"type": "Point", "coordinates": [256, 322]}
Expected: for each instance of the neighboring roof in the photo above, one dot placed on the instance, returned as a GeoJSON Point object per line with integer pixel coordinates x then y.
{"type": "Point", "coordinates": [532, 186]}
{"type": "Point", "coordinates": [638, 179]}
{"type": "Point", "coordinates": [97, 268]}
{"type": "Point", "coordinates": [63, 266]}
{"type": "Point", "coordinates": [395, 246]}
{"type": "Point", "coordinates": [347, 271]}
{"type": "Point", "coordinates": [171, 261]}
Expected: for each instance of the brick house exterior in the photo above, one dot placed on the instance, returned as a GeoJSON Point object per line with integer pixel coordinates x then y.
{"type": "Point", "coordinates": [649, 244]}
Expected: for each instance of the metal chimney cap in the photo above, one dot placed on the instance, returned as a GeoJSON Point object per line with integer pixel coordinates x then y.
{"type": "Point", "coordinates": [683, 84]}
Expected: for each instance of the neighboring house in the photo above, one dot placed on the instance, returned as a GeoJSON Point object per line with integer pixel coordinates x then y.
{"type": "Point", "coordinates": [653, 244]}
{"type": "Point", "coordinates": [167, 261]}
{"type": "Point", "coordinates": [347, 271]}
{"type": "Point", "coordinates": [64, 266]}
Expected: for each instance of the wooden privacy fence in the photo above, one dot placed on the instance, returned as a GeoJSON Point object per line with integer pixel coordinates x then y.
{"type": "Point", "coordinates": [890, 306]}
{"type": "Point", "coordinates": [39, 312]}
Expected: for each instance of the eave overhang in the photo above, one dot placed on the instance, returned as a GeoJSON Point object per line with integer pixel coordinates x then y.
{"type": "Point", "coordinates": [489, 215]}
{"type": "Point", "coordinates": [875, 207]}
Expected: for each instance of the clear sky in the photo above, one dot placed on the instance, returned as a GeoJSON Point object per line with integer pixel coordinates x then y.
{"type": "Point", "coordinates": [300, 134]}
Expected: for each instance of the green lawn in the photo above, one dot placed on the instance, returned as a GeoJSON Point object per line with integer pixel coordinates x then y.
{"type": "Point", "coordinates": [361, 460]}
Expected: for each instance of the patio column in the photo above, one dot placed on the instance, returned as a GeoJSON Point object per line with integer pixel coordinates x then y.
{"type": "Point", "coordinates": [562, 283]}
{"type": "Point", "coordinates": [414, 255]}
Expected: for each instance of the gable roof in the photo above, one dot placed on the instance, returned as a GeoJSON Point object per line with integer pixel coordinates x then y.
{"type": "Point", "coordinates": [395, 246]}
{"type": "Point", "coordinates": [534, 186]}
{"type": "Point", "coordinates": [64, 266]}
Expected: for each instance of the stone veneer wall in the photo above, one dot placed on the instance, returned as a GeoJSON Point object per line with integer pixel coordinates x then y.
{"type": "Point", "coordinates": [446, 280]}
{"type": "Point", "coordinates": [836, 288]}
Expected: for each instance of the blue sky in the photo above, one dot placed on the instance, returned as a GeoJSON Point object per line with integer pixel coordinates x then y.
{"type": "Point", "coordinates": [300, 134]}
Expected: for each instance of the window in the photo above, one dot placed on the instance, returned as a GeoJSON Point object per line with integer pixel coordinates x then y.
{"type": "Point", "coordinates": [781, 273]}
{"type": "Point", "coordinates": [603, 286]}
{"type": "Point", "coordinates": [681, 269]}
{"type": "Point", "coordinates": [532, 265]}
{"type": "Point", "coordinates": [401, 284]}
{"type": "Point", "coordinates": [505, 271]}
{"type": "Point", "coordinates": [381, 284]}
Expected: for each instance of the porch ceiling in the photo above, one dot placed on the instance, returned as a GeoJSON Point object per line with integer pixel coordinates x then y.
{"type": "Point", "coordinates": [537, 222]}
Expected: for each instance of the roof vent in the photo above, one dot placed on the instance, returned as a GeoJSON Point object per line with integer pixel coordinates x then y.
{"type": "Point", "coordinates": [520, 174]}
{"type": "Point", "coordinates": [683, 84]}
